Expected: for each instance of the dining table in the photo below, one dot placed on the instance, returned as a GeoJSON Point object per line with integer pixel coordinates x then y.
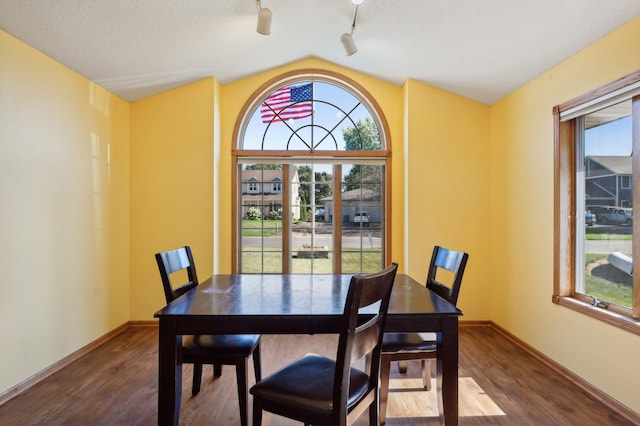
{"type": "Point", "coordinates": [297, 304]}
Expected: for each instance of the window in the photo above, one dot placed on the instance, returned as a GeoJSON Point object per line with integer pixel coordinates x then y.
{"type": "Point", "coordinates": [597, 143]}
{"type": "Point", "coordinates": [319, 145]}
{"type": "Point", "coordinates": [625, 182]}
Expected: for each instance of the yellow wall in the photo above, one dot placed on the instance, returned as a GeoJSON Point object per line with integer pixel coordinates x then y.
{"type": "Point", "coordinates": [64, 202]}
{"type": "Point", "coordinates": [172, 139]}
{"type": "Point", "coordinates": [446, 175]}
{"type": "Point", "coordinates": [521, 222]}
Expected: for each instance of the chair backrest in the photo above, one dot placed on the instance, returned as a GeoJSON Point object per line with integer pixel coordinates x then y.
{"type": "Point", "coordinates": [452, 261]}
{"type": "Point", "coordinates": [173, 261]}
{"type": "Point", "coordinates": [361, 338]}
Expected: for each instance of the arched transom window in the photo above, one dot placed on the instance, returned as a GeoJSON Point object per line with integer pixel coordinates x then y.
{"type": "Point", "coordinates": [311, 173]}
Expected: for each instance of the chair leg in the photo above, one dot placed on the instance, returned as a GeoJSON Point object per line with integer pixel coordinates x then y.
{"type": "Point", "coordinates": [197, 378]}
{"type": "Point", "coordinates": [402, 367]}
{"type": "Point", "coordinates": [257, 368]}
{"type": "Point", "coordinates": [426, 373]}
{"type": "Point", "coordinates": [217, 370]}
{"type": "Point", "coordinates": [241, 376]}
{"type": "Point", "coordinates": [385, 370]}
{"type": "Point", "coordinates": [374, 416]}
{"type": "Point", "coordinates": [257, 413]}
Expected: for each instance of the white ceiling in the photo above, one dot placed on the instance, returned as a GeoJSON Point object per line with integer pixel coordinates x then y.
{"type": "Point", "coordinates": [481, 49]}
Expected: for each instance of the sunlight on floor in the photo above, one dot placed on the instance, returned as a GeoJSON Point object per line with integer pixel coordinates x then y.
{"type": "Point", "coordinates": [407, 398]}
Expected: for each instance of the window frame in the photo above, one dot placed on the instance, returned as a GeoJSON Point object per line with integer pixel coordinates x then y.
{"type": "Point", "coordinates": [293, 156]}
{"type": "Point", "coordinates": [625, 182]}
{"type": "Point", "coordinates": [565, 209]}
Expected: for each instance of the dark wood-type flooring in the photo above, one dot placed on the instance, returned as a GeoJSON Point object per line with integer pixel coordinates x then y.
{"type": "Point", "coordinates": [116, 384]}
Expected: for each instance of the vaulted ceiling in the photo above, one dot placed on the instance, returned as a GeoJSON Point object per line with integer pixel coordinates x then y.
{"type": "Point", "coordinates": [481, 49]}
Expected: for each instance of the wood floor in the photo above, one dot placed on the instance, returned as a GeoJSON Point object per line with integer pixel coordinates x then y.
{"type": "Point", "coordinates": [116, 384]}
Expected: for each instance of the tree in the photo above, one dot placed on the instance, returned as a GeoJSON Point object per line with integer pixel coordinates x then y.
{"type": "Point", "coordinates": [364, 136]}
{"type": "Point", "coordinates": [322, 188]}
{"type": "Point", "coordinates": [263, 167]}
{"type": "Point", "coordinates": [364, 176]}
{"type": "Point", "coordinates": [303, 210]}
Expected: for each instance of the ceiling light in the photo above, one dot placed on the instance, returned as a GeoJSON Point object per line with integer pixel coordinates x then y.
{"type": "Point", "coordinates": [357, 2]}
{"type": "Point", "coordinates": [348, 43]}
{"type": "Point", "coordinates": [347, 38]}
{"type": "Point", "coordinates": [264, 20]}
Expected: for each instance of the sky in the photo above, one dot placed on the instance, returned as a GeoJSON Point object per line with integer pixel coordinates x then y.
{"type": "Point", "coordinates": [333, 110]}
{"type": "Point", "coordinates": [612, 138]}
{"type": "Point", "coordinates": [331, 104]}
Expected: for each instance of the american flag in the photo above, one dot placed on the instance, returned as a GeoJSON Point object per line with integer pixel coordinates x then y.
{"type": "Point", "coordinates": [288, 103]}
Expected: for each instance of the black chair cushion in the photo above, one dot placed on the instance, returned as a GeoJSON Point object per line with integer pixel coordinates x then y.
{"type": "Point", "coordinates": [307, 384]}
{"type": "Point", "coordinates": [223, 344]}
{"type": "Point", "coordinates": [408, 342]}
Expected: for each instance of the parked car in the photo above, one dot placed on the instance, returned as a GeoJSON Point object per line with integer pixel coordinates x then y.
{"type": "Point", "coordinates": [320, 215]}
{"type": "Point", "coordinates": [608, 215]}
{"type": "Point", "coordinates": [589, 218]}
{"type": "Point", "coordinates": [361, 218]}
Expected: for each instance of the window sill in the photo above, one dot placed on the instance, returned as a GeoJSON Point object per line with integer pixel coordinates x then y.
{"type": "Point", "coordinates": [613, 318]}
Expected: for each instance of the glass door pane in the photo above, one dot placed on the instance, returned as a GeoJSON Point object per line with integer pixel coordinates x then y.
{"type": "Point", "coordinates": [362, 217]}
{"type": "Point", "coordinates": [261, 212]}
{"type": "Point", "coordinates": [312, 235]}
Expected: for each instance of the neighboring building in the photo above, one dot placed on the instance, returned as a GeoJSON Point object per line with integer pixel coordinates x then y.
{"type": "Point", "coordinates": [264, 188]}
{"type": "Point", "coordinates": [356, 200]}
{"type": "Point", "coordinates": [608, 181]}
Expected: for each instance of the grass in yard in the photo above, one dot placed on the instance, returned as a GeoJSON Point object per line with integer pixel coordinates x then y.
{"type": "Point", "coordinates": [255, 262]}
{"type": "Point", "coordinates": [604, 233]}
{"type": "Point", "coordinates": [260, 228]}
{"type": "Point", "coordinates": [604, 286]}
{"type": "Point", "coordinates": [371, 261]}
{"type": "Point", "coordinates": [589, 236]}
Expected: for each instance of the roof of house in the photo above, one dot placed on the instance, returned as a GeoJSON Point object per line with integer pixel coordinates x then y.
{"type": "Point", "coordinates": [261, 175]}
{"type": "Point", "coordinates": [357, 195]}
{"type": "Point", "coordinates": [620, 165]}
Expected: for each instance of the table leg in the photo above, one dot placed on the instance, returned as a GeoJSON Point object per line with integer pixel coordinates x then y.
{"type": "Point", "coordinates": [169, 373]}
{"type": "Point", "coordinates": [447, 378]}
{"type": "Point", "coordinates": [385, 372]}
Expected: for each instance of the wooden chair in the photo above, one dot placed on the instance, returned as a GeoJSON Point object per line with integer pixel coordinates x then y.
{"type": "Point", "coordinates": [218, 350]}
{"type": "Point", "coordinates": [402, 347]}
{"type": "Point", "coordinates": [321, 391]}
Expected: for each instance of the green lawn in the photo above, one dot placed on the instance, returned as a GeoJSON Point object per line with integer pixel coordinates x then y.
{"type": "Point", "coordinates": [260, 228]}
{"type": "Point", "coordinates": [602, 233]}
{"type": "Point", "coordinates": [611, 291]}
{"type": "Point", "coordinates": [271, 262]}
{"type": "Point", "coordinates": [598, 236]}
{"type": "Point", "coordinates": [604, 287]}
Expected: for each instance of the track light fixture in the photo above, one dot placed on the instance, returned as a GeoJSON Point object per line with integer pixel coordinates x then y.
{"type": "Point", "coordinates": [264, 19]}
{"type": "Point", "coordinates": [347, 38]}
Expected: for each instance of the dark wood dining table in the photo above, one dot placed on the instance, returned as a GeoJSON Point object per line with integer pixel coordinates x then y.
{"type": "Point", "coordinates": [297, 304]}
